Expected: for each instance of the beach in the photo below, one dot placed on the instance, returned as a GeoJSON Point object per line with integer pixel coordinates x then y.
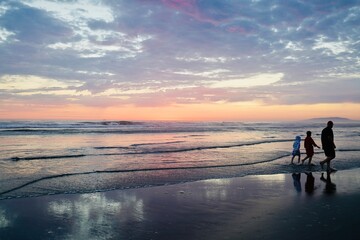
{"type": "Point", "coordinates": [174, 180]}
{"type": "Point", "coordinates": [179, 120]}
{"type": "Point", "coordinates": [275, 206]}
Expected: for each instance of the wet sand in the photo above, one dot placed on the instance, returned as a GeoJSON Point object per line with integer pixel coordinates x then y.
{"type": "Point", "coordinates": [282, 206]}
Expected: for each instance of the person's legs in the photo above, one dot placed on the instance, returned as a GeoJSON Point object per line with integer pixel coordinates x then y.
{"type": "Point", "coordinates": [304, 159]}
{"type": "Point", "coordinates": [327, 161]}
{"type": "Point", "coordinates": [330, 155]}
{"type": "Point", "coordinates": [322, 163]}
{"type": "Point", "coordinates": [310, 158]}
{"type": "Point", "coordinates": [292, 159]}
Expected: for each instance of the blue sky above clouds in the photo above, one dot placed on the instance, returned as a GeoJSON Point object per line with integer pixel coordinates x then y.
{"type": "Point", "coordinates": [164, 52]}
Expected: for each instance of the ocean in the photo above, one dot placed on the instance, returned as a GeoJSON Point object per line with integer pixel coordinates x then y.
{"type": "Point", "coordinates": [61, 157]}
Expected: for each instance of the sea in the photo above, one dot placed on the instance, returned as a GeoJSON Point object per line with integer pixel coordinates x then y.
{"type": "Point", "coordinates": [64, 157]}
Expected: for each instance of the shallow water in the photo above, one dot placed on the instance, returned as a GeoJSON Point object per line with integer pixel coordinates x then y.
{"type": "Point", "coordinates": [39, 158]}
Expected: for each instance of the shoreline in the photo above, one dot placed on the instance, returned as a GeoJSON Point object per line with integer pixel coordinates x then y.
{"type": "Point", "coordinates": [250, 207]}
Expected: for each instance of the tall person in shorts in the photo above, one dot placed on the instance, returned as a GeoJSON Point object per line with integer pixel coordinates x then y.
{"type": "Point", "coordinates": [327, 141]}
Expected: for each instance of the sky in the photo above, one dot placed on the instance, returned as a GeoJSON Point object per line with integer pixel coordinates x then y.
{"type": "Point", "coordinates": [188, 60]}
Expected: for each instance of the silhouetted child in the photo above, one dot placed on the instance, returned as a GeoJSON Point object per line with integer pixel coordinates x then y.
{"type": "Point", "coordinates": [296, 149]}
{"type": "Point", "coordinates": [309, 147]}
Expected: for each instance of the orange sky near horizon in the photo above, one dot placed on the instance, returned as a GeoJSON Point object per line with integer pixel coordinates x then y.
{"type": "Point", "coordinates": [250, 111]}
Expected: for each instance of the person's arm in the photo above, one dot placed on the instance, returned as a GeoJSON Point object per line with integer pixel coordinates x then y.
{"type": "Point", "coordinates": [314, 144]}
{"type": "Point", "coordinates": [331, 136]}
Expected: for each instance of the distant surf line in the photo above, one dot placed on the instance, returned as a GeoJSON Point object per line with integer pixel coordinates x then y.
{"type": "Point", "coordinates": [210, 147]}
{"type": "Point", "coordinates": [85, 130]}
{"type": "Point", "coordinates": [140, 144]}
{"type": "Point", "coordinates": [47, 157]}
{"type": "Point", "coordinates": [155, 143]}
{"type": "Point", "coordinates": [149, 152]}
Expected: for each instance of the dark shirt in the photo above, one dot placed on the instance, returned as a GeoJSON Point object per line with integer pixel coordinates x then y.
{"type": "Point", "coordinates": [309, 145]}
{"type": "Point", "coordinates": [327, 138]}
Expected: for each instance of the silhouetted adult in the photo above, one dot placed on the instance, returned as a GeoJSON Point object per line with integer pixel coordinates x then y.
{"type": "Point", "coordinates": [327, 141]}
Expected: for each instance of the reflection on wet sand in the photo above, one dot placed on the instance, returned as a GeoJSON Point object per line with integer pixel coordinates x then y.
{"type": "Point", "coordinates": [4, 221]}
{"type": "Point", "coordinates": [220, 192]}
{"type": "Point", "coordinates": [297, 184]}
{"type": "Point", "coordinates": [93, 213]}
{"type": "Point", "coordinates": [330, 187]}
{"type": "Point", "coordinates": [234, 208]}
{"type": "Point", "coordinates": [310, 185]}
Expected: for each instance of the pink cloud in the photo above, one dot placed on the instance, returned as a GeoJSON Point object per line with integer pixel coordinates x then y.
{"type": "Point", "coordinates": [237, 29]}
{"type": "Point", "coordinates": [189, 7]}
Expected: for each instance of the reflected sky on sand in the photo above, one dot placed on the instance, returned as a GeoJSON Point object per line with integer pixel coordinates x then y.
{"type": "Point", "coordinates": [95, 211]}
{"type": "Point", "coordinates": [209, 209]}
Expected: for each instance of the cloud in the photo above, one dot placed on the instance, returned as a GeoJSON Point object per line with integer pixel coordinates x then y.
{"type": "Point", "coordinates": [88, 42]}
{"type": "Point", "coordinates": [5, 35]}
{"type": "Point", "coordinates": [334, 48]}
{"type": "Point", "coordinates": [190, 8]}
{"type": "Point", "coordinates": [32, 26]}
{"type": "Point", "coordinates": [77, 12]}
{"type": "Point", "coordinates": [214, 73]}
{"type": "Point", "coordinates": [253, 81]}
{"type": "Point", "coordinates": [206, 59]}
{"type": "Point", "coordinates": [323, 90]}
{"type": "Point", "coordinates": [16, 82]}
{"type": "Point", "coordinates": [40, 90]}
{"type": "Point", "coordinates": [179, 51]}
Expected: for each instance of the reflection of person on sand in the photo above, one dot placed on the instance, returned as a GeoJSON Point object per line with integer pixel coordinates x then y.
{"type": "Point", "coordinates": [296, 149]}
{"type": "Point", "coordinates": [309, 147]}
{"type": "Point", "coordinates": [330, 187]}
{"type": "Point", "coordinates": [297, 184]}
{"type": "Point", "coordinates": [327, 141]}
{"type": "Point", "coordinates": [310, 182]}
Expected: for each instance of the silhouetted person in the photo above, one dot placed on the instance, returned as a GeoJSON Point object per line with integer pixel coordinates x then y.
{"type": "Point", "coordinates": [296, 149]}
{"type": "Point", "coordinates": [310, 183]}
{"type": "Point", "coordinates": [309, 147]}
{"type": "Point", "coordinates": [327, 141]}
{"type": "Point", "coordinates": [330, 187]}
